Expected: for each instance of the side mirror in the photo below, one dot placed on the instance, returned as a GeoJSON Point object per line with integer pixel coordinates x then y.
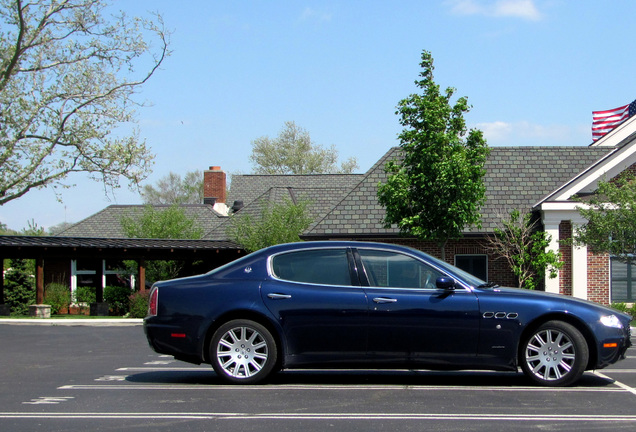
{"type": "Point", "coordinates": [445, 283]}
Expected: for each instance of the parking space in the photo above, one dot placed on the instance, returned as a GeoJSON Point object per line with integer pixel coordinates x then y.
{"type": "Point", "coordinates": [109, 379]}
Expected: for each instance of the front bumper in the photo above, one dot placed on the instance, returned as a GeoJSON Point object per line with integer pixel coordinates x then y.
{"type": "Point", "coordinates": [613, 349]}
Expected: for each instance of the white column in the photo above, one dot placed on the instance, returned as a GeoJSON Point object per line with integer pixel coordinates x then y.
{"type": "Point", "coordinates": [73, 279]}
{"type": "Point", "coordinates": [579, 264]}
{"type": "Point", "coordinates": [552, 229]}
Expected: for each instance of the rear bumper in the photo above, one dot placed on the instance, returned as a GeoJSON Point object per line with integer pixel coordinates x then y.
{"type": "Point", "coordinates": [172, 340]}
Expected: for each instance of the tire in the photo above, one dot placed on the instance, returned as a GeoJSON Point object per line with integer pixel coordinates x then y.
{"type": "Point", "coordinates": [243, 352]}
{"type": "Point", "coordinates": [556, 354]}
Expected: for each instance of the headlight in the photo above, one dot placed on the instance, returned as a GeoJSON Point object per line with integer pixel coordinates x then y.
{"type": "Point", "coordinates": [611, 321]}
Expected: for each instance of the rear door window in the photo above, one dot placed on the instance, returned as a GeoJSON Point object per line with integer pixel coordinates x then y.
{"type": "Point", "coordinates": [316, 266]}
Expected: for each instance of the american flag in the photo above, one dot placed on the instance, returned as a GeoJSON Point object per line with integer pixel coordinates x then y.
{"type": "Point", "coordinates": [605, 121]}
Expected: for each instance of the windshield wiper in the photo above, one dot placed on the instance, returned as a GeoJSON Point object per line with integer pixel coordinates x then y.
{"type": "Point", "coordinates": [488, 285]}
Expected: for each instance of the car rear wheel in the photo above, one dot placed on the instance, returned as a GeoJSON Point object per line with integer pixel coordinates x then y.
{"type": "Point", "coordinates": [243, 352]}
{"type": "Point", "coordinates": [556, 354]}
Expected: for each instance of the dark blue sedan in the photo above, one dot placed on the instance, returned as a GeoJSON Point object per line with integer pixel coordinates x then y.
{"type": "Point", "coordinates": [373, 305]}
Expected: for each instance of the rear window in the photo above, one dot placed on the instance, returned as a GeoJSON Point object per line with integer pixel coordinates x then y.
{"type": "Point", "coordinates": [320, 267]}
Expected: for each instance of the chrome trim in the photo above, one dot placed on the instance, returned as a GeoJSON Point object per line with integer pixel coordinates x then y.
{"type": "Point", "coordinates": [384, 300]}
{"type": "Point", "coordinates": [276, 296]}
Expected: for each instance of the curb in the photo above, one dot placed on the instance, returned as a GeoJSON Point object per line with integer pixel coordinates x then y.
{"type": "Point", "coordinates": [97, 322]}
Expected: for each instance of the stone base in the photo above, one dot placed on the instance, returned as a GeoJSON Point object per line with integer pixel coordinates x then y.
{"type": "Point", "coordinates": [40, 311]}
{"type": "Point", "coordinates": [99, 309]}
{"type": "Point", "coordinates": [5, 310]}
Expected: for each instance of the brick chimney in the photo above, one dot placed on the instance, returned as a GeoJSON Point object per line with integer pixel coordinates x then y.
{"type": "Point", "coordinates": [214, 186]}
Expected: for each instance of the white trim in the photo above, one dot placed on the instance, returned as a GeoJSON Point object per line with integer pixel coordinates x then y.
{"type": "Point", "coordinates": [608, 168]}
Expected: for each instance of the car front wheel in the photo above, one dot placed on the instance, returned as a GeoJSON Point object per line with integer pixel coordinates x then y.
{"type": "Point", "coordinates": [556, 354]}
{"type": "Point", "coordinates": [243, 352]}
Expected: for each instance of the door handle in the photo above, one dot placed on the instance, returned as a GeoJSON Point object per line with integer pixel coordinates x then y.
{"type": "Point", "coordinates": [384, 300]}
{"type": "Point", "coordinates": [276, 296]}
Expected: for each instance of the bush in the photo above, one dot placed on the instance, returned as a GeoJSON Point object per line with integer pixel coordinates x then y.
{"type": "Point", "coordinates": [139, 304]}
{"type": "Point", "coordinates": [19, 287]}
{"type": "Point", "coordinates": [622, 307]}
{"type": "Point", "coordinates": [85, 294]}
{"type": "Point", "coordinates": [58, 296]}
{"type": "Point", "coordinates": [118, 298]}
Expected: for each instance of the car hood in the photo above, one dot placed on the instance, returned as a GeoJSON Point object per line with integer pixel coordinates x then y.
{"type": "Point", "coordinates": [528, 294]}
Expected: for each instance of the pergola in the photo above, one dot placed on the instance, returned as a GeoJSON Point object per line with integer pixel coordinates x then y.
{"type": "Point", "coordinates": [140, 250]}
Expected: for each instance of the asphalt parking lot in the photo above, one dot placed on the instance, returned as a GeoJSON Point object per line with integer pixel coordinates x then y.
{"type": "Point", "coordinates": [104, 378]}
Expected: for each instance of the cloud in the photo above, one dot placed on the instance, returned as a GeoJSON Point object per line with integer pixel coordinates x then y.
{"type": "Point", "coordinates": [314, 15]}
{"type": "Point", "coordinates": [524, 9]}
{"type": "Point", "coordinates": [525, 133]}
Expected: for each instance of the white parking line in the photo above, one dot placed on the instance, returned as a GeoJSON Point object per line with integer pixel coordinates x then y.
{"type": "Point", "coordinates": [351, 387]}
{"type": "Point", "coordinates": [554, 418]}
{"type": "Point", "coordinates": [618, 383]}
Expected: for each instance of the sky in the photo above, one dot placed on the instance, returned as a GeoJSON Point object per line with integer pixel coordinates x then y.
{"type": "Point", "coordinates": [533, 71]}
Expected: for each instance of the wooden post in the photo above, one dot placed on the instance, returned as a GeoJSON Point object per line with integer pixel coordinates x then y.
{"type": "Point", "coordinates": [39, 280]}
{"type": "Point", "coordinates": [142, 274]}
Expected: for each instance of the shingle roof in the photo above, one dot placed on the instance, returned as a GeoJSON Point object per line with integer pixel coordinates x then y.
{"type": "Point", "coordinates": [107, 223]}
{"type": "Point", "coordinates": [346, 205]}
{"type": "Point", "coordinates": [249, 187]}
{"type": "Point", "coordinates": [322, 191]}
{"type": "Point", "coordinates": [516, 177]}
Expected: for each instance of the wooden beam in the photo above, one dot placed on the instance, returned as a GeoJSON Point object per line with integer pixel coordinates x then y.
{"type": "Point", "coordinates": [142, 274]}
{"type": "Point", "coordinates": [39, 280]}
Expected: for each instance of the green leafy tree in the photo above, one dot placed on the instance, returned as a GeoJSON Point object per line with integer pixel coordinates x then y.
{"type": "Point", "coordinates": [19, 287]}
{"type": "Point", "coordinates": [276, 224]}
{"type": "Point", "coordinates": [611, 218]}
{"type": "Point", "coordinates": [162, 223]}
{"type": "Point", "coordinates": [293, 152]}
{"type": "Point", "coordinates": [522, 243]}
{"type": "Point", "coordinates": [68, 76]}
{"type": "Point", "coordinates": [5, 230]}
{"type": "Point", "coordinates": [173, 189]}
{"type": "Point", "coordinates": [166, 222]}
{"type": "Point", "coordinates": [437, 188]}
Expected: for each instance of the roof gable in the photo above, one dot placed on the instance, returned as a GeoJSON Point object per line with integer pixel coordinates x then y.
{"type": "Point", "coordinates": [617, 160]}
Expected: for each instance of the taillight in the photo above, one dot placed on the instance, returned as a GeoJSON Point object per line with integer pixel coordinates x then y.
{"type": "Point", "coordinates": [153, 302]}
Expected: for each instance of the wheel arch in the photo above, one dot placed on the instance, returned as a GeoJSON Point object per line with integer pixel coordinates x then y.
{"type": "Point", "coordinates": [567, 318]}
{"type": "Point", "coordinates": [248, 315]}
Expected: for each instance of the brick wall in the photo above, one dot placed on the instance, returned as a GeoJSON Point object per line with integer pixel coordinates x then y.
{"type": "Point", "coordinates": [565, 274]}
{"type": "Point", "coordinates": [598, 278]}
{"type": "Point", "coordinates": [214, 184]}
